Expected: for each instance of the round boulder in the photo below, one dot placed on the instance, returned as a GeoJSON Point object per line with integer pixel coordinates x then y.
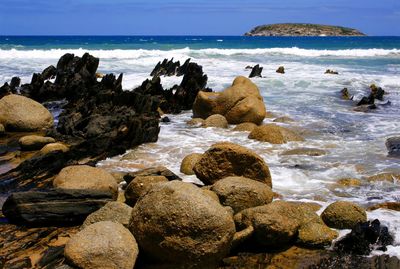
{"type": "Point", "coordinates": [113, 211]}
{"type": "Point", "coordinates": [215, 120]}
{"type": "Point", "coordinates": [19, 113]}
{"type": "Point", "coordinates": [140, 186]}
{"type": "Point", "coordinates": [240, 193]}
{"type": "Point", "coordinates": [195, 122]}
{"type": "Point", "coordinates": [343, 215]}
{"type": "Point", "coordinates": [52, 147]}
{"type": "Point", "coordinates": [204, 104]}
{"type": "Point", "coordinates": [316, 235]}
{"type": "Point", "coordinates": [177, 224]}
{"type": "Point", "coordinates": [274, 134]}
{"type": "Point", "coordinates": [228, 159]}
{"type": "Point", "coordinates": [102, 245]}
{"type": "Point", "coordinates": [245, 127]}
{"type": "Point", "coordinates": [34, 142]}
{"type": "Point", "coordinates": [189, 162]}
{"type": "Point", "coordinates": [86, 177]}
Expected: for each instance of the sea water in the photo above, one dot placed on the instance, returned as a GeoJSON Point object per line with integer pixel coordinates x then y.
{"type": "Point", "coordinates": [354, 141]}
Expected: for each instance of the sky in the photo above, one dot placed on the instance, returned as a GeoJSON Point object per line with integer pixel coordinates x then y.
{"type": "Point", "coordinates": [178, 17]}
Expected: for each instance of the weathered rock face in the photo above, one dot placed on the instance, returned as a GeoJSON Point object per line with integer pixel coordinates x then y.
{"type": "Point", "coordinates": [242, 102]}
{"type": "Point", "coordinates": [53, 207]}
{"type": "Point", "coordinates": [240, 193]}
{"type": "Point", "coordinates": [86, 177]}
{"type": "Point", "coordinates": [113, 211]}
{"type": "Point", "coordinates": [18, 113]}
{"type": "Point", "coordinates": [105, 245]}
{"type": "Point", "coordinates": [228, 159]}
{"type": "Point", "coordinates": [274, 134]}
{"type": "Point", "coordinates": [177, 224]}
{"type": "Point", "coordinates": [215, 120]}
{"type": "Point", "coordinates": [364, 238]}
{"type": "Point", "coordinates": [34, 142]}
{"type": "Point", "coordinates": [343, 215]}
{"type": "Point", "coordinates": [189, 162]}
{"type": "Point", "coordinates": [140, 186]}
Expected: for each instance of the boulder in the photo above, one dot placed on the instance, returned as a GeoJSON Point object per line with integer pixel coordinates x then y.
{"type": "Point", "coordinates": [280, 70]}
{"type": "Point", "coordinates": [34, 142]}
{"type": "Point", "coordinates": [274, 134]}
{"type": "Point", "coordinates": [228, 159]}
{"type": "Point", "coordinates": [256, 71]}
{"type": "Point", "coordinates": [113, 211]}
{"type": "Point", "coordinates": [189, 162]}
{"type": "Point", "coordinates": [240, 193]}
{"type": "Point", "coordinates": [343, 215]}
{"type": "Point", "coordinates": [331, 72]}
{"type": "Point", "coordinates": [245, 127]}
{"type": "Point", "coordinates": [215, 120]}
{"type": "Point", "coordinates": [377, 92]}
{"type": "Point", "coordinates": [242, 102]}
{"type": "Point", "coordinates": [102, 245]}
{"type": "Point", "coordinates": [204, 104]}
{"type": "Point", "coordinates": [52, 147]}
{"type": "Point", "coordinates": [365, 237]}
{"type": "Point", "coordinates": [153, 171]}
{"type": "Point", "coordinates": [86, 177]}
{"type": "Point", "coordinates": [53, 207]}
{"type": "Point", "coordinates": [177, 224]}
{"type": "Point", "coordinates": [18, 113]}
{"type": "Point", "coordinates": [345, 94]}
{"type": "Point", "coordinates": [275, 224]}
{"type": "Point", "coordinates": [316, 235]}
{"type": "Point", "coordinates": [305, 151]}
{"type": "Point", "coordinates": [393, 146]}
{"type": "Point", "coordinates": [140, 186]}
{"type": "Point", "coordinates": [195, 122]}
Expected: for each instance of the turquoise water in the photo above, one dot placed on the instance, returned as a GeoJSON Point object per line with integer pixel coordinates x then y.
{"type": "Point", "coordinates": [354, 141]}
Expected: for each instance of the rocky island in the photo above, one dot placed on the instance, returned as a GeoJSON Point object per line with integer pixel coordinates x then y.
{"type": "Point", "coordinates": [302, 29]}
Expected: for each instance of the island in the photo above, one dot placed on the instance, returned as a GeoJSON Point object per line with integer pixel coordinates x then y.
{"type": "Point", "coordinates": [302, 29]}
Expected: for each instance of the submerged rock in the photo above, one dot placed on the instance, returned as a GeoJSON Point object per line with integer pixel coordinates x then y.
{"type": "Point", "coordinates": [281, 70]}
{"type": "Point", "coordinates": [245, 127]}
{"type": "Point", "coordinates": [215, 120]}
{"type": "Point", "coordinates": [256, 71]}
{"type": "Point", "coordinates": [177, 225]}
{"type": "Point", "coordinates": [305, 151]}
{"type": "Point", "coordinates": [274, 134]}
{"type": "Point", "coordinates": [18, 113]}
{"type": "Point", "coordinates": [387, 205]}
{"type": "Point", "coordinates": [343, 215]}
{"type": "Point", "coordinates": [331, 72]}
{"type": "Point", "coordinates": [346, 94]}
{"type": "Point", "coordinates": [393, 146]}
{"type": "Point", "coordinates": [228, 159]}
{"type": "Point", "coordinates": [105, 245]}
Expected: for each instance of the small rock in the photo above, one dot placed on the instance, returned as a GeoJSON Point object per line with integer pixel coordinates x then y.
{"type": "Point", "coordinates": [240, 193]}
{"type": "Point", "coordinates": [343, 215]}
{"type": "Point", "coordinates": [331, 72]}
{"type": "Point", "coordinates": [189, 162]}
{"type": "Point", "coordinates": [274, 134]}
{"type": "Point", "coordinates": [305, 151]}
{"type": "Point", "coordinates": [245, 127]}
{"type": "Point", "coordinates": [165, 119]}
{"type": "Point", "coordinates": [377, 92]}
{"type": "Point", "coordinates": [54, 147]}
{"type": "Point", "coordinates": [86, 177]}
{"type": "Point", "coordinates": [104, 244]}
{"type": "Point", "coordinates": [256, 71]}
{"type": "Point", "coordinates": [34, 142]}
{"type": "Point", "coordinates": [195, 122]}
{"type": "Point", "coordinates": [2, 129]}
{"type": "Point", "coordinates": [228, 159]}
{"type": "Point", "coordinates": [140, 186]}
{"type": "Point", "coordinates": [388, 205]}
{"type": "Point", "coordinates": [346, 95]}
{"type": "Point", "coordinates": [392, 145]}
{"type": "Point", "coordinates": [113, 211]}
{"type": "Point", "coordinates": [215, 120]}
{"type": "Point", "coordinates": [316, 235]}
{"type": "Point", "coordinates": [349, 182]}
{"type": "Point", "coordinates": [281, 70]}
{"type": "Point", "coordinates": [283, 119]}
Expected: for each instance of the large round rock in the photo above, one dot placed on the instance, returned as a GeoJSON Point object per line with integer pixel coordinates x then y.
{"type": "Point", "coordinates": [113, 211]}
{"type": "Point", "coordinates": [228, 159]}
{"type": "Point", "coordinates": [18, 113]}
{"type": "Point", "coordinates": [176, 223]}
{"type": "Point", "coordinates": [240, 193]}
{"type": "Point", "coordinates": [103, 245]}
{"type": "Point", "coordinates": [140, 186]}
{"type": "Point", "coordinates": [274, 134]}
{"type": "Point", "coordinates": [343, 215]}
{"type": "Point", "coordinates": [86, 177]}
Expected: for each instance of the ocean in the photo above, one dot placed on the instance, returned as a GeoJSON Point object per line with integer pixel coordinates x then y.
{"type": "Point", "coordinates": [354, 141]}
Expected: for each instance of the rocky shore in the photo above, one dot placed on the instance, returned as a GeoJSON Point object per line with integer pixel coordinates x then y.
{"type": "Point", "coordinates": [302, 29]}
{"type": "Point", "coordinates": [63, 212]}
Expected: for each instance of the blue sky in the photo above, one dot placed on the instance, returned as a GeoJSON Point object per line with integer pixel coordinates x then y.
{"type": "Point", "coordinates": [178, 17]}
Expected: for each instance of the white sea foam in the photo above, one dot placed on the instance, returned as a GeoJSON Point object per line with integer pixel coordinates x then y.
{"type": "Point", "coordinates": [138, 53]}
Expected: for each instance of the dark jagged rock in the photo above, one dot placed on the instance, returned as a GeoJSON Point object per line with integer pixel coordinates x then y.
{"type": "Point", "coordinates": [53, 207]}
{"type": "Point", "coordinates": [346, 95]}
{"type": "Point", "coordinates": [331, 72]}
{"type": "Point", "coordinates": [14, 84]}
{"type": "Point", "coordinates": [281, 70]}
{"type": "Point", "coordinates": [370, 100]}
{"type": "Point", "coordinates": [180, 97]}
{"type": "Point", "coordinates": [364, 238]}
{"type": "Point", "coordinates": [377, 92]}
{"type": "Point", "coordinates": [249, 67]}
{"type": "Point", "coordinates": [165, 119]}
{"type": "Point", "coordinates": [166, 68]}
{"type": "Point", "coordinates": [153, 171]}
{"type": "Point", "coordinates": [49, 73]}
{"type": "Point", "coordinates": [393, 146]}
{"type": "Point", "coordinates": [256, 71]}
